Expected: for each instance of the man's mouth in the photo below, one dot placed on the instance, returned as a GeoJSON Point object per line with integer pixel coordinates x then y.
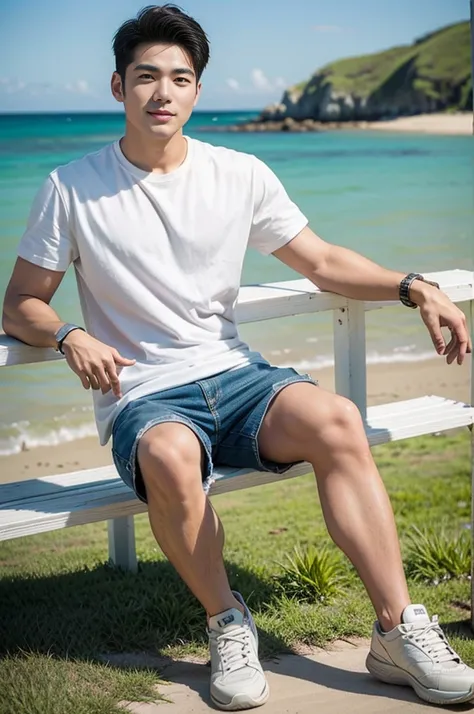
{"type": "Point", "coordinates": [160, 113]}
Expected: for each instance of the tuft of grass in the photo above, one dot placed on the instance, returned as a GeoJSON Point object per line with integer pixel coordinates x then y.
{"type": "Point", "coordinates": [35, 684]}
{"type": "Point", "coordinates": [434, 555]}
{"type": "Point", "coordinates": [313, 575]}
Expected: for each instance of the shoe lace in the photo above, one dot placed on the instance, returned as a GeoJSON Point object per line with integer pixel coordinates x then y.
{"type": "Point", "coordinates": [432, 640]}
{"type": "Point", "coordinates": [234, 648]}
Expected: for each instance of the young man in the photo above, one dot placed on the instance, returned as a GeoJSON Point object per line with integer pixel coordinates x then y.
{"type": "Point", "coordinates": [157, 226]}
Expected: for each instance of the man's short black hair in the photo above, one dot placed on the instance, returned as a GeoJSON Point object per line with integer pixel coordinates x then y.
{"type": "Point", "coordinates": [161, 23]}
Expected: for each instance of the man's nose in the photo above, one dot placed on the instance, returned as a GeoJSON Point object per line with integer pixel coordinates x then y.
{"type": "Point", "coordinates": [162, 91]}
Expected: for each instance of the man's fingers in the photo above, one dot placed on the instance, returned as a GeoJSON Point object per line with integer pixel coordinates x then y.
{"type": "Point", "coordinates": [459, 331]}
{"type": "Point", "coordinates": [99, 369]}
{"type": "Point", "coordinates": [102, 379]}
{"type": "Point", "coordinates": [113, 378]}
{"type": "Point", "coordinates": [452, 343]}
{"type": "Point", "coordinates": [84, 380]}
{"type": "Point", "coordinates": [462, 352]}
{"type": "Point", "coordinates": [94, 381]}
{"type": "Point", "coordinates": [452, 355]}
{"type": "Point", "coordinates": [434, 328]}
{"type": "Point", "coordinates": [122, 360]}
{"type": "Point", "coordinates": [452, 347]}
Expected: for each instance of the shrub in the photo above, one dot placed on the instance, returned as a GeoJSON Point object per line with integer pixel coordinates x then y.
{"type": "Point", "coordinates": [435, 556]}
{"type": "Point", "coordinates": [313, 575]}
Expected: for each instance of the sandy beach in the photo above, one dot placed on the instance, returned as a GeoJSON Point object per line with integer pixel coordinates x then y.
{"type": "Point", "coordinates": [453, 124]}
{"type": "Point", "coordinates": [385, 383]}
{"type": "Point", "coordinates": [458, 124]}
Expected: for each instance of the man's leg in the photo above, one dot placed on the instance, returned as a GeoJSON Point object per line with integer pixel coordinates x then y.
{"type": "Point", "coordinates": [182, 519]}
{"type": "Point", "coordinates": [191, 536]}
{"type": "Point", "coordinates": [407, 647]}
{"type": "Point", "coordinates": [306, 422]}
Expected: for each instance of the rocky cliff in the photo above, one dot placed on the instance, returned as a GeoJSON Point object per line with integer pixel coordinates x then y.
{"type": "Point", "coordinates": [431, 75]}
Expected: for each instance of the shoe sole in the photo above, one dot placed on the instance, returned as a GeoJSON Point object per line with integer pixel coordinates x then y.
{"type": "Point", "coordinates": [390, 674]}
{"type": "Point", "coordinates": [243, 701]}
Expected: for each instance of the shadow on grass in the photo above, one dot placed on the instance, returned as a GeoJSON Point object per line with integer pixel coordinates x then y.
{"type": "Point", "coordinates": [105, 610]}
{"type": "Point", "coordinates": [131, 622]}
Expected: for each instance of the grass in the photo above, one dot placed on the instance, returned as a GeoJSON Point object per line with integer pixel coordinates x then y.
{"type": "Point", "coordinates": [435, 556]}
{"type": "Point", "coordinates": [45, 685]}
{"type": "Point", "coordinates": [65, 613]}
{"type": "Point", "coordinates": [438, 66]}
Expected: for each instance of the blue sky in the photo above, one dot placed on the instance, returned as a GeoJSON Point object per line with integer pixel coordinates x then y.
{"type": "Point", "coordinates": [56, 54]}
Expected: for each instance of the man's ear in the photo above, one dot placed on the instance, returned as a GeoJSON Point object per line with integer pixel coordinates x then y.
{"type": "Point", "coordinates": [117, 87]}
{"type": "Point", "coordinates": [198, 92]}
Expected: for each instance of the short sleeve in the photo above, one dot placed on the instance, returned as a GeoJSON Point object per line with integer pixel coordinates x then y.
{"type": "Point", "coordinates": [47, 241]}
{"type": "Point", "coordinates": [276, 219]}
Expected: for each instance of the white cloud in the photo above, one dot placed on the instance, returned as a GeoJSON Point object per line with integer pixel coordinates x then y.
{"type": "Point", "coordinates": [38, 89]}
{"type": "Point", "coordinates": [80, 86]}
{"type": "Point", "coordinates": [11, 86]}
{"type": "Point", "coordinates": [233, 84]}
{"type": "Point", "coordinates": [260, 80]}
{"type": "Point", "coordinates": [260, 83]}
{"type": "Point", "coordinates": [83, 86]}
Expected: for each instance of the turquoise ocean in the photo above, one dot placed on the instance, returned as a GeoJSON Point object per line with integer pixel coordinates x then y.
{"type": "Point", "coordinates": [406, 201]}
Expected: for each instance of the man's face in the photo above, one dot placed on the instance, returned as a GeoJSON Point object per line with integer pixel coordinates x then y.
{"type": "Point", "coordinates": [160, 90]}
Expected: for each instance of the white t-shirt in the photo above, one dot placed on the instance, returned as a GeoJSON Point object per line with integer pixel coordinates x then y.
{"type": "Point", "coordinates": [158, 258]}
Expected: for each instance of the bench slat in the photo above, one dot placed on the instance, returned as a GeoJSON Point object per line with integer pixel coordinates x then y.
{"type": "Point", "coordinates": [264, 302]}
{"type": "Point", "coordinates": [415, 410]}
{"type": "Point", "coordinates": [98, 494]}
{"type": "Point", "coordinates": [48, 485]}
{"type": "Point", "coordinates": [421, 410]}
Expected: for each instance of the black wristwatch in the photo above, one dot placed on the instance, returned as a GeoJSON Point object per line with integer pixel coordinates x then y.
{"type": "Point", "coordinates": [63, 332]}
{"type": "Point", "coordinates": [404, 288]}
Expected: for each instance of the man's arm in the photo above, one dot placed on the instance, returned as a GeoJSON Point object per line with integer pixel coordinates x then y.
{"type": "Point", "coordinates": [343, 271]}
{"type": "Point", "coordinates": [28, 316]}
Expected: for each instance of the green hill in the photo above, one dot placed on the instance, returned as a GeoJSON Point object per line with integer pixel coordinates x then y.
{"type": "Point", "coordinates": [432, 74]}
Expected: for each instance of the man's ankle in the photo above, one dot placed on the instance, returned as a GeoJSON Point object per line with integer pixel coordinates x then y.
{"type": "Point", "coordinates": [227, 605]}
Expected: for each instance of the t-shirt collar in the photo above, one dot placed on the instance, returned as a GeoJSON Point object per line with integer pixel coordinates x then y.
{"type": "Point", "coordinates": [151, 176]}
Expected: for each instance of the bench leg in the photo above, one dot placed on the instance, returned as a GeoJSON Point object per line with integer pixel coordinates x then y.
{"type": "Point", "coordinates": [122, 543]}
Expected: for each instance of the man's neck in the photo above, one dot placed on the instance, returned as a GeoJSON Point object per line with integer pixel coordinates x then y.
{"type": "Point", "coordinates": [157, 156]}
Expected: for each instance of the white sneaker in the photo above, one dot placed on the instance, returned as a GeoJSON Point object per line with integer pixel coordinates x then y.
{"type": "Point", "coordinates": [417, 653]}
{"type": "Point", "coordinates": [237, 678]}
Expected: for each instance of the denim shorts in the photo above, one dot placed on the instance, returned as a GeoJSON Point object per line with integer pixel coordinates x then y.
{"type": "Point", "coordinates": [225, 412]}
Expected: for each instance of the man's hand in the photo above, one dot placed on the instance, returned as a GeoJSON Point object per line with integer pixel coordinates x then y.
{"type": "Point", "coordinates": [437, 311]}
{"type": "Point", "coordinates": [94, 362]}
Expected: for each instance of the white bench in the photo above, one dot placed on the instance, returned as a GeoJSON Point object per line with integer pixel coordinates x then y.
{"type": "Point", "coordinates": [46, 504]}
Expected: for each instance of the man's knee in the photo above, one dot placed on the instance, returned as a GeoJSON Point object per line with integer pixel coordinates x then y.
{"type": "Point", "coordinates": [343, 427]}
{"type": "Point", "coordinates": [170, 457]}
{"type": "Point", "coordinates": [344, 414]}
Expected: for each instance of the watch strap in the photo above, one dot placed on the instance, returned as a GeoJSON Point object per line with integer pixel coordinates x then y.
{"type": "Point", "coordinates": [404, 288]}
{"type": "Point", "coordinates": [63, 332]}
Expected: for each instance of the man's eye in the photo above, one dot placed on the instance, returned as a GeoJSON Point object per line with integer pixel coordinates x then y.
{"type": "Point", "coordinates": [145, 76]}
{"type": "Point", "coordinates": [182, 79]}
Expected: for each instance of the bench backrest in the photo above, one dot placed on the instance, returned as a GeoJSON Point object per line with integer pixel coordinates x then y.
{"type": "Point", "coordinates": [296, 297]}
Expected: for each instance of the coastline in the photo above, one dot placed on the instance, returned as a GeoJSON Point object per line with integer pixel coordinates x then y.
{"type": "Point", "coordinates": [385, 383]}
{"type": "Point", "coordinates": [458, 124]}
